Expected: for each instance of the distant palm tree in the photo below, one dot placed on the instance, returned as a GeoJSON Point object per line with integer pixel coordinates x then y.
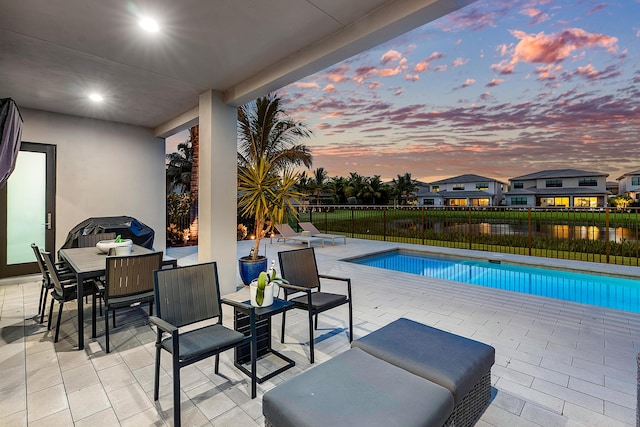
{"type": "Point", "coordinates": [318, 184]}
{"type": "Point", "coordinates": [179, 168]}
{"type": "Point", "coordinates": [404, 187]}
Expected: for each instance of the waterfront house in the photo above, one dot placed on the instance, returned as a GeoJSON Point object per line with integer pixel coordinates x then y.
{"type": "Point", "coordinates": [558, 188]}
{"type": "Point", "coordinates": [629, 184]}
{"type": "Point", "coordinates": [464, 190]}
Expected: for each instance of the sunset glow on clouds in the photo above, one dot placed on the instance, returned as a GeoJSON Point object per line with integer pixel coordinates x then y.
{"type": "Point", "coordinates": [498, 88]}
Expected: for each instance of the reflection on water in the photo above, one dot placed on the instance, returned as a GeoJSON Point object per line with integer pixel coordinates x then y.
{"type": "Point", "coordinates": [562, 231]}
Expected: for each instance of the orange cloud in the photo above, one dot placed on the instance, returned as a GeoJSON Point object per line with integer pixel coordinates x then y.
{"type": "Point", "coordinates": [390, 56]}
{"type": "Point", "coordinates": [552, 48]}
{"type": "Point", "coordinates": [468, 82]}
{"type": "Point", "coordinates": [329, 88]}
{"type": "Point", "coordinates": [307, 85]}
{"type": "Point", "coordinates": [458, 62]}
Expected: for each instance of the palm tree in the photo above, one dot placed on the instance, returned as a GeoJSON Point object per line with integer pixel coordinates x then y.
{"type": "Point", "coordinates": [267, 153]}
{"type": "Point", "coordinates": [318, 184]}
{"type": "Point", "coordinates": [405, 187]}
{"type": "Point", "coordinates": [179, 166]}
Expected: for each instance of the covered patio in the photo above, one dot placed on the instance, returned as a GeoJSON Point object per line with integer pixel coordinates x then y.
{"type": "Point", "coordinates": [557, 363]}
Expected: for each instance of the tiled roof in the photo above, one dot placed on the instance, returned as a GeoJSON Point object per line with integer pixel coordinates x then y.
{"type": "Point", "coordinates": [629, 174]}
{"type": "Point", "coordinates": [558, 173]}
{"type": "Point", "coordinates": [464, 179]}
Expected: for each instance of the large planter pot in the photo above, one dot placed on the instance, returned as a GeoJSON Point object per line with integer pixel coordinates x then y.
{"type": "Point", "coordinates": [250, 269]}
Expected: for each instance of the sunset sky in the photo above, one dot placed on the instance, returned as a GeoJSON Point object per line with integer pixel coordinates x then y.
{"type": "Point", "coordinates": [498, 88]}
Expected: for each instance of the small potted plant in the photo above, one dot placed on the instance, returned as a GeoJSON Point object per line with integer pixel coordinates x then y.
{"type": "Point", "coordinates": [263, 289]}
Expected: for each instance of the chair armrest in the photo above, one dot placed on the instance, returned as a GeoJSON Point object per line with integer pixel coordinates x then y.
{"type": "Point", "coordinates": [238, 304]}
{"type": "Point", "coordinates": [163, 325]}
{"type": "Point", "coordinates": [326, 276]}
{"type": "Point", "coordinates": [294, 287]}
{"type": "Point", "coordinates": [99, 285]}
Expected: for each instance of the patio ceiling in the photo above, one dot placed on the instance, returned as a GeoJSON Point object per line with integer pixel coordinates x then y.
{"type": "Point", "coordinates": [52, 54]}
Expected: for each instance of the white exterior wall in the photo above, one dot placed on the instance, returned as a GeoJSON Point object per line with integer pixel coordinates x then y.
{"type": "Point", "coordinates": [573, 182]}
{"type": "Point", "coordinates": [103, 169]}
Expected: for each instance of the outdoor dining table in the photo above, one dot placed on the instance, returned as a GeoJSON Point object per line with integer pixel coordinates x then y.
{"type": "Point", "coordinates": [90, 263]}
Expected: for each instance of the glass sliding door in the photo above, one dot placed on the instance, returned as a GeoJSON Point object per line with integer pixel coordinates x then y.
{"type": "Point", "coordinates": [27, 209]}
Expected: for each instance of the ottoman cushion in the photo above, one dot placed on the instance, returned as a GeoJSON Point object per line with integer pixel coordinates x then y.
{"type": "Point", "coordinates": [456, 363]}
{"type": "Point", "coordinates": [356, 389]}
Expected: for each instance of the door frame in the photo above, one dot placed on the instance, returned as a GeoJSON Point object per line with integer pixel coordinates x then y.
{"type": "Point", "coordinates": [48, 222]}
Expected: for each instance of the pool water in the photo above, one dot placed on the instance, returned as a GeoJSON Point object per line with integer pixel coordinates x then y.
{"type": "Point", "coordinates": [602, 291]}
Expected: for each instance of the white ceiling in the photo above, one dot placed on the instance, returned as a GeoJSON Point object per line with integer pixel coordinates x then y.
{"type": "Point", "coordinates": [53, 53]}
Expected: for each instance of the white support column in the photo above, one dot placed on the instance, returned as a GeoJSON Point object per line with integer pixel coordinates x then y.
{"type": "Point", "coordinates": [218, 188]}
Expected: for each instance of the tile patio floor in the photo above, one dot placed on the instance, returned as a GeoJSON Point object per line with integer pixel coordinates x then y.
{"type": "Point", "coordinates": [557, 363]}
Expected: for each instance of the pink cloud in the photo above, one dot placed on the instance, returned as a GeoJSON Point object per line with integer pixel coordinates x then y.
{"type": "Point", "coordinates": [536, 15]}
{"type": "Point", "coordinates": [374, 85]}
{"type": "Point", "coordinates": [468, 82]}
{"type": "Point", "coordinates": [552, 48]}
{"type": "Point", "coordinates": [307, 85]}
{"type": "Point", "coordinates": [494, 82]}
{"type": "Point", "coordinates": [338, 74]}
{"type": "Point", "coordinates": [329, 88]}
{"type": "Point", "coordinates": [390, 56]}
{"type": "Point", "coordinates": [412, 77]}
{"type": "Point", "coordinates": [458, 62]}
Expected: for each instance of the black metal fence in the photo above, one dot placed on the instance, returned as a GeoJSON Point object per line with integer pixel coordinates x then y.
{"type": "Point", "coordinates": [607, 235]}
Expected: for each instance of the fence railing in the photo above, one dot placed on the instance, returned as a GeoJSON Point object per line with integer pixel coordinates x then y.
{"type": "Point", "coordinates": [606, 235]}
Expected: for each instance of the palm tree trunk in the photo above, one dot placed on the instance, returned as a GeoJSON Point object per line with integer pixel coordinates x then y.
{"type": "Point", "coordinates": [194, 134]}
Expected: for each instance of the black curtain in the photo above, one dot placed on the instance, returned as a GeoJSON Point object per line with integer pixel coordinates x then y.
{"type": "Point", "coordinates": [10, 137]}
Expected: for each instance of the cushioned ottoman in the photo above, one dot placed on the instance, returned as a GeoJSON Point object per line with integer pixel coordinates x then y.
{"type": "Point", "coordinates": [356, 389]}
{"type": "Point", "coordinates": [461, 365]}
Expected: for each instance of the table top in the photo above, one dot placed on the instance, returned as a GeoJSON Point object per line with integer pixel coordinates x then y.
{"type": "Point", "coordinates": [279, 305]}
{"type": "Point", "coordinates": [91, 259]}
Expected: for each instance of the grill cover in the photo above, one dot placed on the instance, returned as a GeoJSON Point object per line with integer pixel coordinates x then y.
{"type": "Point", "coordinates": [126, 226]}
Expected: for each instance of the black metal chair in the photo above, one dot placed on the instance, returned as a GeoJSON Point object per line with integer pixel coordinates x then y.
{"type": "Point", "coordinates": [61, 291]}
{"type": "Point", "coordinates": [128, 281]}
{"type": "Point", "coordinates": [184, 296]}
{"type": "Point", "coordinates": [299, 268]}
{"type": "Point", "coordinates": [47, 284]}
{"type": "Point", "coordinates": [86, 241]}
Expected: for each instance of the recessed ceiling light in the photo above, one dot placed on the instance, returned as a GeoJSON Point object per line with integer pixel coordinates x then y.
{"type": "Point", "coordinates": [96, 97]}
{"type": "Point", "coordinates": [149, 25]}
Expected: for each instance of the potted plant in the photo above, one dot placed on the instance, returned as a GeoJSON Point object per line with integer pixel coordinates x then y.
{"type": "Point", "coordinates": [266, 182]}
{"type": "Point", "coordinates": [263, 289]}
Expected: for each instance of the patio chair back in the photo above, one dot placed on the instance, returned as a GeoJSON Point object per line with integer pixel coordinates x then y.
{"type": "Point", "coordinates": [299, 268]}
{"type": "Point", "coordinates": [308, 226]}
{"type": "Point", "coordinates": [91, 239]}
{"type": "Point", "coordinates": [186, 295]}
{"type": "Point", "coordinates": [285, 230]}
{"type": "Point", "coordinates": [52, 272]}
{"type": "Point", "coordinates": [131, 275]}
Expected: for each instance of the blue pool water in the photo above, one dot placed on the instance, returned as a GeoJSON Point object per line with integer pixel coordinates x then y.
{"type": "Point", "coordinates": [602, 291]}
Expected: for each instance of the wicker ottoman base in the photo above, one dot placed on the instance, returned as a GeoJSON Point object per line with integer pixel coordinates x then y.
{"type": "Point", "coordinates": [461, 365]}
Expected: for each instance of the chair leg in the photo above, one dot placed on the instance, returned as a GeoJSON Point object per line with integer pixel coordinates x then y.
{"type": "Point", "coordinates": [311, 355]}
{"type": "Point", "coordinates": [316, 325]}
{"type": "Point", "coordinates": [114, 317]}
{"type": "Point", "coordinates": [58, 322]}
{"type": "Point", "coordinates": [106, 327]}
{"type": "Point", "coordinates": [50, 314]}
{"type": "Point", "coordinates": [350, 322]}
{"type": "Point", "coordinates": [176, 391]}
{"type": "Point", "coordinates": [156, 382]}
{"type": "Point", "coordinates": [284, 318]}
{"type": "Point", "coordinates": [42, 288]}
{"type": "Point", "coordinates": [93, 316]}
{"type": "Point", "coordinates": [216, 365]}
{"type": "Point", "coordinates": [44, 304]}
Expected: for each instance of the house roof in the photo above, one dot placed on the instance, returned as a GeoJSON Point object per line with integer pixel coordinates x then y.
{"type": "Point", "coordinates": [54, 52]}
{"type": "Point", "coordinates": [467, 178]}
{"type": "Point", "coordinates": [557, 173]}
{"type": "Point", "coordinates": [634, 173]}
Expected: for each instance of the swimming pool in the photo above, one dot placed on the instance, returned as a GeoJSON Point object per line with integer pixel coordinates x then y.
{"type": "Point", "coordinates": [602, 291]}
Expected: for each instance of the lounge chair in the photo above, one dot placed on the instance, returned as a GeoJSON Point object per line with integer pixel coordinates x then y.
{"type": "Point", "coordinates": [308, 226]}
{"type": "Point", "coordinates": [287, 233]}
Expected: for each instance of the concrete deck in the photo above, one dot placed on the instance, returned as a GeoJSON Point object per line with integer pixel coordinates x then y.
{"type": "Point", "coordinates": [557, 363]}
